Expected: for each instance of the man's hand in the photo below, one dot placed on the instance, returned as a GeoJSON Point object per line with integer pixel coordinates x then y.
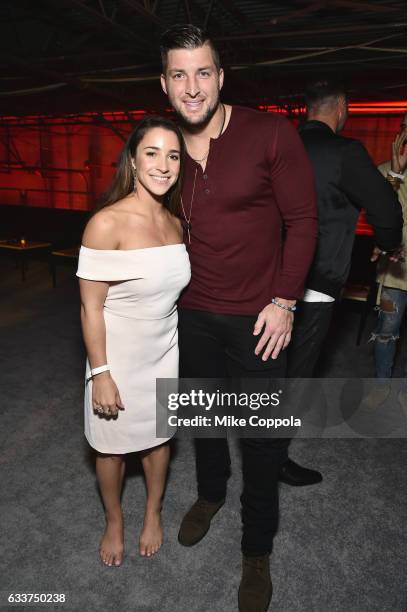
{"type": "Point", "coordinates": [399, 152]}
{"type": "Point", "coordinates": [395, 256]}
{"type": "Point", "coordinates": [277, 324]}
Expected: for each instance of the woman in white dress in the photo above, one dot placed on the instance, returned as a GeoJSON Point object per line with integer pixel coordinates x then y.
{"type": "Point", "coordinates": [132, 268]}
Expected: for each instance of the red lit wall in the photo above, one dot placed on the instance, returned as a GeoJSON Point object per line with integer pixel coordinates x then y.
{"type": "Point", "coordinates": [376, 132]}
{"type": "Point", "coordinates": [69, 166]}
{"type": "Point", "coordinates": [57, 166]}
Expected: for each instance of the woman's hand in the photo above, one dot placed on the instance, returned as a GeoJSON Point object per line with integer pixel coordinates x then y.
{"type": "Point", "coordinates": [399, 152]}
{"type": "Point", "coordinates": [105, 395]}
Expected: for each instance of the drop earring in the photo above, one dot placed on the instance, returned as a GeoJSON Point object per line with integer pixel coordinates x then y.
{"type": "Point", "coordinates": [134, 173]}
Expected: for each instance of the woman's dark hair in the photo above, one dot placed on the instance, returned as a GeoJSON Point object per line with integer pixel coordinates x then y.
{"type": "Point", "coordinates": [123, 181]}
{"type": "Point", "coordinates": [185, 36]}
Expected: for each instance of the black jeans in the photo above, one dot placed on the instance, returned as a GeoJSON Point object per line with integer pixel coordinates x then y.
{"type": "Point", "coordinates": [219, 346]}
{"type": "Point", "coordinates": [311, 325]}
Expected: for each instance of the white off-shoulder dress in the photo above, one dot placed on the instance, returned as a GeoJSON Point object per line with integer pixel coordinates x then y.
{"type": "Point", "coordinates": [141, 319]}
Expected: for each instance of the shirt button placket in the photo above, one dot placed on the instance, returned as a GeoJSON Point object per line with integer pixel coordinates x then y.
{"type": "Point", "coordinates": [206, 189]}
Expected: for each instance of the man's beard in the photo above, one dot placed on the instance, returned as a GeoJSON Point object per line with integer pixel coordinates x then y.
{"type": "Point", "coordinates": [202, 122]}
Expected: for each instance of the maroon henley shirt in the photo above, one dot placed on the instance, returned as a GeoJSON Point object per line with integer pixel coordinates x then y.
{"type": "Point", "coordinates": [254, 219]}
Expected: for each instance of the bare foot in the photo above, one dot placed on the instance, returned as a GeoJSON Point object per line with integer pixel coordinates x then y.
{"type": "Point", "coordinates": [112, 544]}
{"type": "Point", "coordinates": [151, 536]}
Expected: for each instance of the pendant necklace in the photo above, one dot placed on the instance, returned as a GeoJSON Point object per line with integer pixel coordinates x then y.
{"type": "Point", "coordinates": [188, 219]}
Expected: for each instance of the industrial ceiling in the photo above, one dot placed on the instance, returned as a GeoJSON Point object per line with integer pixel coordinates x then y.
{"type": "Point", "coordinates": [67, 56]}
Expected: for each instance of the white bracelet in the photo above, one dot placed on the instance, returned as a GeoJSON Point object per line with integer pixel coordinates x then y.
{"type": "Point", "coordinates": [396, 175]}
{"type": "Point", "coordinates": [99, 370]}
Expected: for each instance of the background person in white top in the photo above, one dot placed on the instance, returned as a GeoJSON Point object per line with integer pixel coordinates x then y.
{"type": "Point", "coordinates": [392, 275]}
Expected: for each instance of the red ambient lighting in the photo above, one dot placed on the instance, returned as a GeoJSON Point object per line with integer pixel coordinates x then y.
{"type": "Point", "coordinates": [87, 117]}
{"type": "Point", "coordinates": [355, 108]}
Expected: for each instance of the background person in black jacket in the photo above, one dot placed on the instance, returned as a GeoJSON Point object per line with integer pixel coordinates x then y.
{"type": "Point", "coordinates": [346, 181]}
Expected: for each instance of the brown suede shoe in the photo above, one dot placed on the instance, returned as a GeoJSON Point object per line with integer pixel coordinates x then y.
{"type": "Point", "coordinates": [255, 588]}
{"type": "Point", "coordinates": [197, 521]}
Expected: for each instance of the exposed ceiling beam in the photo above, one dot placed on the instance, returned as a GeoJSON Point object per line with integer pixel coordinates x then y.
{"type": "Point", "coordinates": [51, 75]}
{"type": "Point", "coordinates": [233, 10]}
{"type": "Point", "coordinates": [80, 56]}
{"type": "Point", "coordinates": [143, 11]}
{"type": "Point", "coordinates": [299, 33]}
{"type": "Point", "coordinates": [46, 13]}
{"type": "Point", "coordinates": [102, 8]}
{"type": "Point", "coordinates": [357, 5]}
{"type": "Point", "coordinates": [191, 6]}
{"type": "Point", "coordinates": [311, 8]}
{"type": "Point", "coordinates": [104, 20]}
{"type": "Point", "coordinates": [364, 6]}
{"type": "Point", "coordinates": [283, 60]}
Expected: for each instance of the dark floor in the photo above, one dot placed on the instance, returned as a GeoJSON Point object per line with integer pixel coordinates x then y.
{"type": "Point", "coordinates": [341, 546]}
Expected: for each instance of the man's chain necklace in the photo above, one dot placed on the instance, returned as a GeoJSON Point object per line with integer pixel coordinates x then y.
{"type": "Point", "coordinates": [188, 219]}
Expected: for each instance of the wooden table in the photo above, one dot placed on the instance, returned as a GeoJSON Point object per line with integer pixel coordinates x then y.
{"type": "Point", "coordinates": [23, 249]}
{"type": "Point", "coordinates": [68, 255]}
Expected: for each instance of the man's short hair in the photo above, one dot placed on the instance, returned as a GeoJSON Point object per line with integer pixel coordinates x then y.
{"type": "Point", "coordinates": [185, 36]}
{"type": "Point", "coordinates": [323, 93]}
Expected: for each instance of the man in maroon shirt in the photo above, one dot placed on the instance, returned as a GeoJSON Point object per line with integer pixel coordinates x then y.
{"type": "Point", "coordinates": [247, 177]}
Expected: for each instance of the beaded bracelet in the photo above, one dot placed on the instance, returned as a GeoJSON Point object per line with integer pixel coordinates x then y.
{"type": "Point", "coordinates": [283, 306]}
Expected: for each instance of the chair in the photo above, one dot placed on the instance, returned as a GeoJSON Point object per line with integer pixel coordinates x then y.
{"type": "Point", "coordinates": [66, 255]}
